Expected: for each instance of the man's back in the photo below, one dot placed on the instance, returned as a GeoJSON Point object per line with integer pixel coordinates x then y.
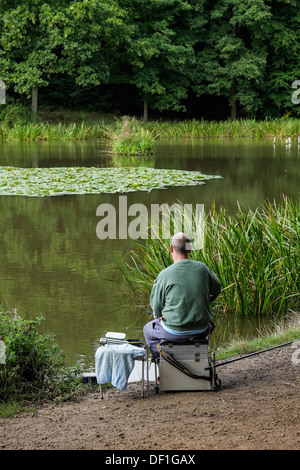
{"type": "Point", "coordinates": [182, 294]}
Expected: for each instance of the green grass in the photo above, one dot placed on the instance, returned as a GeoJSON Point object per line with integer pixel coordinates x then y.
{"type": "Point", "coordinates": [239, 347]}
{"type": "Point", "coordinates": [12, 408]}
{"type": "Point", "coordinates": [9, 409]}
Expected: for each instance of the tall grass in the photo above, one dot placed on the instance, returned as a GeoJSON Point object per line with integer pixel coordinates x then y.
{"type": "Point", "coordinates": [240, 128]}
{"type": "Point", "coordinates": [51, 132]}
{"type": "Point", "coordinates": [255, 254]}
{"type": "Point", "coordinates": [132, 136]}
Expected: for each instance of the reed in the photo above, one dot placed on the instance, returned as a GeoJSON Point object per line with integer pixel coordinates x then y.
{"type": "Point", "coordinates": [131, 136]}
{"type": "Point", "coordinates": [240, 128]}
{"type": "Point", "coordinates": [255, 254]}
{"type": "Point", "coordinates": [51, 132]}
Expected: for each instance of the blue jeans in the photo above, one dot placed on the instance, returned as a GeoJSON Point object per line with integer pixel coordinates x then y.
{"type": "Point", "coordinates": [154, 332]}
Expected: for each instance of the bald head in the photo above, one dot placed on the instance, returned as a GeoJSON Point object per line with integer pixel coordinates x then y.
{"type": "Point", "coordinates": [181, 243]}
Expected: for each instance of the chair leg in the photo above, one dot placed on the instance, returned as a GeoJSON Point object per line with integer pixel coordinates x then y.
{"type": "Point", "coordinates": [143, 377]}
{"type": "Point", "coordinates": [147, 362]}
{"type": "Point", "coordinates": [156, 362]}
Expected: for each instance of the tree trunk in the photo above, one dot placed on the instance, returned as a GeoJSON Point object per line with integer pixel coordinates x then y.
{"type": "Point", "coordinates": [145, 111]}
{"type": "Point", "coordinates": [233, 111]}
{"type": "Point", "coordinates": [2, 93]}
{"type": "Point", "coordinates": [34, 100]}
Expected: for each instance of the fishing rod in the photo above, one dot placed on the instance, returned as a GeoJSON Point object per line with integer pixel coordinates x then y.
{"type": "Point", "coordinates": [249, 355]}
{"type": "Point", "coordinates": [149, 312]}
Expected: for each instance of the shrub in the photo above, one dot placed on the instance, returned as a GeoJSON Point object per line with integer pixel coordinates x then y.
{"type": "Point", "coordinates": [34, 365]}
{"type": "Point", "coordinates": [13, 114]}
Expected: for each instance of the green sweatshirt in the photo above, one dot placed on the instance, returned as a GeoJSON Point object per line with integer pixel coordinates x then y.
{"type": "Point", "coordinates": [182, 294]}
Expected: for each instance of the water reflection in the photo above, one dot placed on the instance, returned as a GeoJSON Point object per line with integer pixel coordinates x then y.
{"type": "Point", "coordinates": [54, 154]}
{"type": "Point", "coordinates": [52, 264]}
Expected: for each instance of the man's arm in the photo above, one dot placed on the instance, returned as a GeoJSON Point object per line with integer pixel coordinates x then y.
{"type": "Point", "coordinates": [157, 298]}
{"type": "Point", "coordinates": [215, 287]}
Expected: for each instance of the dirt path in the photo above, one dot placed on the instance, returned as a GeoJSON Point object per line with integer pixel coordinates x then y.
{"type": "Point", "coordinates": [257, 407]}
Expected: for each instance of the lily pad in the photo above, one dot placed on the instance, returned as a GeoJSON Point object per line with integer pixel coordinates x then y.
{"type": "Point", "coordinates": [90, 180]}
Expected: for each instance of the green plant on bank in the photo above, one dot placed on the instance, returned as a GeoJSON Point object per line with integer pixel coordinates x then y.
{"type": "Point", "coordinates": [34, 367]}
{"type": "Point", "coordinates": [286, 334]}
{"type": "Point", "coordinates": [49, 132]}
{"type": "Point", "coordinates": [239, 128]}
{"type": "Point", "coordinates": [255, 254]}
{"type": "Point", "coordinates": [9, 409]}
{"type": "Point", "coordinates": [131, 136]}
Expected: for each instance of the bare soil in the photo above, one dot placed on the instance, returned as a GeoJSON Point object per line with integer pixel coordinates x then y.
{"type": "Point", "coordinates": [257, 407]}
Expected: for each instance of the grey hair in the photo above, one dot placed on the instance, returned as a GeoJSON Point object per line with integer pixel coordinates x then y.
{"type": "Point", "coordinates": [181, 242]}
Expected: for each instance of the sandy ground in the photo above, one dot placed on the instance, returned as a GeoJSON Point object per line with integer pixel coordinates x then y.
{"type": "Point", "coordinates": [257, 407]}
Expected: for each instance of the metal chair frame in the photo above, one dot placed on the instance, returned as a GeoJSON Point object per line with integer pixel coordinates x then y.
{"type": "Point", "coordinates": [109, 340]}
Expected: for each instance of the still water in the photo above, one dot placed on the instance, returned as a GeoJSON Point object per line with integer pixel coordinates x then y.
{"type": "Point", "coordinates": [53, 265]}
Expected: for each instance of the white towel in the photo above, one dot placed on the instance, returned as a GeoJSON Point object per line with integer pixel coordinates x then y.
{"type": "Point", "coordinates": [115, 362]}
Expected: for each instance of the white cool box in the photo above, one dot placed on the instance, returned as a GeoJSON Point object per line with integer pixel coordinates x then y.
{"type": "Point", "coordinates": [182, 367]}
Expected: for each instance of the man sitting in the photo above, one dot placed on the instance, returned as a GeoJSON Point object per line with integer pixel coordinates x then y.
{"type": "Point", "coordinates": [180, 298]}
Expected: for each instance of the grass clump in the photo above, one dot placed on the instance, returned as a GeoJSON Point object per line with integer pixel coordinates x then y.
{"type": "Point", "coordinates": [255, 254]}
{"type": "Point", "coordinates": [32, 365]}
{"type": "Point", "coordinates": [130, 137]}
{"type": "Point", "coordinates": [9, 409]}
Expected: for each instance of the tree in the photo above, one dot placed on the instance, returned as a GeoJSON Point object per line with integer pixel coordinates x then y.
{"type": "Point", "coordinates": [39, 39]}
{"type": "Point", "coordinates": [283, 64]}
{"type": "Point", "coordinates": [26, 55]}
{"type": "Point", "coordinates": [158, 54]}
{"type": "Point", "coordinates": [232, 59]}
{"type": "Point", "coordinates": [244, 51]}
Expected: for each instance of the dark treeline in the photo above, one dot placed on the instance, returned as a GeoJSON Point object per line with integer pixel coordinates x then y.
{"type": "Point", "coordinates": [189, 58]}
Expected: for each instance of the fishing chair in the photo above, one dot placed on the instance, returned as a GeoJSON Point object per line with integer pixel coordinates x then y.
{"type": "Point", "coordinates": [185, 367]}
{"type": "Point", "coordinates": [112, 339]}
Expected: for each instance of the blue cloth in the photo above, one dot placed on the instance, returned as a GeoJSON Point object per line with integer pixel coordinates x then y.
{"type": "Point", "coordinates": [115, 362]}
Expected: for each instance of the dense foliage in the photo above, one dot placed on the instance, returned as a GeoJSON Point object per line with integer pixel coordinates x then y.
{"type": "Point", "coordinates": [211, 58]}
{"type": "Point", "coordinates": [32, 364]}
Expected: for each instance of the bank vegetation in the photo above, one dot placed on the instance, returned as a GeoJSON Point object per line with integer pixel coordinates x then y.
{"type": "Point", "coordinates": [254, 253]}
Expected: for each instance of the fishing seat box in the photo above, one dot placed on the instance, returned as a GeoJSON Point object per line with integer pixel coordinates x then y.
{"type": "Point", "coordinates": [193, 357]}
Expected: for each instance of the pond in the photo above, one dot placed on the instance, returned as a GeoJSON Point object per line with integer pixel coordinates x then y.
{"type": "Point", "coordinates": [52, 264]}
